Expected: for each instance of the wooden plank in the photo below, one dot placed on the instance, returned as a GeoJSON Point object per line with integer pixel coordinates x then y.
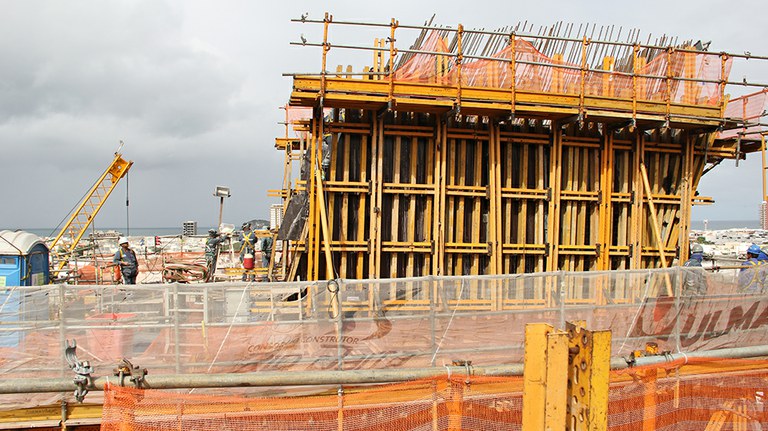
{"type": "Point", "coordinates": [396, 156]}
{"type": "Point", "coordinates": [541, 206]}
{"type": "Point", "coordinates": [637, 215]}
{"type": "Point", "coordinates": [411, 228]}
{"type": "Point", "coordinates": [461, 165]}
{"type": "Point", "coordinates": [440, 215]}
{"type": "Point", "coordinates": [522, 222]}
{"type": "Point", "coordinates": [429, 207]}
{"type": "Point", "coordinates": [477, 216]}
{"type": "Point", "coordinates": [362, 208]}
{"type": "Point", "coordinates": [554, 204]}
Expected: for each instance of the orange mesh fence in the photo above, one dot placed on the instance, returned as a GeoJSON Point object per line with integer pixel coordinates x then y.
{"type": "Point", "coordinates": [563, 77]}
{"type": "Point", "coordinates": [725, 394]}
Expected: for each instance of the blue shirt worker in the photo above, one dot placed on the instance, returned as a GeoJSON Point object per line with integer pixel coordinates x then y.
{"type": "Point", "coordinates": [695, 283]}
{"type": "Point", "coordinates": [751, 275]}
{"type": "Point", "coordinates": [125, 258]}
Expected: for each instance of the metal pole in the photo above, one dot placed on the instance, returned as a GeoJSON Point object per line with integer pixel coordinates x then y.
{"type": "Point", "coordinates": [299, 378]}
{"type": "Point", "coordinates": [221, 211]}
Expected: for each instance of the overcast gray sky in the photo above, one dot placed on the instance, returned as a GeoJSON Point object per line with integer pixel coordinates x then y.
{"type": "Point", "coordinates": [193, 89]}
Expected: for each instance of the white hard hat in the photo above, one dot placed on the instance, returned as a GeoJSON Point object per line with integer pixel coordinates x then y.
{"type": "Point", "coordinates": [122, 240]}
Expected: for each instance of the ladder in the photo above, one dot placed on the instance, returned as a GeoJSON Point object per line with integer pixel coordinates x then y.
{"type": "Point", "coordinates": [82, 217]}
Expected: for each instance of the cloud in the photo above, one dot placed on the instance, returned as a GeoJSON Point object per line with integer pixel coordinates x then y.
{"type": "Point", "coordinates": [129, 62]}
{"type": "Point", "coordinates": [193, 88]}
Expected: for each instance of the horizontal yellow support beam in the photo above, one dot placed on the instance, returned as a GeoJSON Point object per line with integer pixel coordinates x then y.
{"type": "Point", "coordinates": [441, 97]}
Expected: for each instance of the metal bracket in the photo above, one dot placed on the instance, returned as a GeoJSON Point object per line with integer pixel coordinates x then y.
{"type": "Point", "coordinates": [467, 366]}
{"type": "Point", "coordinates": [83, 379]}
{"type": "Point", "coordinates": [135, 373]}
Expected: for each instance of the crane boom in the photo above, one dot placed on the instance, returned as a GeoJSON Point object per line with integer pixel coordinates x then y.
{"type": "Point", "coordinates": [83, 216]}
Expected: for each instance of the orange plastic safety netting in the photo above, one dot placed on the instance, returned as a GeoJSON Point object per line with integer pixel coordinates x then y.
{"type": "Point", "coordinates": [727, 394]}
{"type": "Point", "coordinates": [676, 76]}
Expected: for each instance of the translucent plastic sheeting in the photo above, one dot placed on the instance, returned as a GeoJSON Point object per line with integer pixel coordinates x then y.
{"type": "Point", "coordinates": [364, 324]}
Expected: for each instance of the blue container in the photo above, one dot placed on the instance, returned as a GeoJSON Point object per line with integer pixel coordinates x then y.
{"type": "Point", "coordinates": [23, 259]}
{"type": "Point", "coordinates": [23, 262]}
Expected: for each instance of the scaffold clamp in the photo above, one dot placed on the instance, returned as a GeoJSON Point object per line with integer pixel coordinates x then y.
{"type": "Point", "coordinates": [83, 379]}
{"type": "Point", "coordinates": [135, 373]}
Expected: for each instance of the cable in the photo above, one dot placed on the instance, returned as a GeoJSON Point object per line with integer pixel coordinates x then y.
{"type": "Point", "coordinates": [334, 296]}
{"type": "Point", "coordinates": [127, 214]}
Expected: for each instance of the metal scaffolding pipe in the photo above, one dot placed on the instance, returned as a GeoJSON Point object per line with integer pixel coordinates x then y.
{"type": "Point", "coordinates": [535, 36]}
{"type": "Point", "coordinates": [743, 83]}
{"type": "Point", "coordinates": [311, 378]}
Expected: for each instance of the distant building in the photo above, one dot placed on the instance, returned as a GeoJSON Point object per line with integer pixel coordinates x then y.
{"type": "Point", "coordinates": [275, 216]}
{"type": "Point", "coordinates": [764, 215]}
{"type": "Point", "coordinates": [189, 228]}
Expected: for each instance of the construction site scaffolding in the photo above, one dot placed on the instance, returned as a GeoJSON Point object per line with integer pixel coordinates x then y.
{"type": "Point", "coordinates": [478, 152]}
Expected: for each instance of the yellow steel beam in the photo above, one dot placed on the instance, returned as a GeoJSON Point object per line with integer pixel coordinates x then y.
{"type": "Point", "coordinates": [85, 212]}
{"type": "Point", "coordinates": [589, 378]}
{"type": "Point", "coordinates": [544, 388]}
{"type": "Point", "coordinates": [306, 88]}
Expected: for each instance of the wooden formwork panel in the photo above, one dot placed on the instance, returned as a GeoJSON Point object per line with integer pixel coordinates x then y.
{"type": "Point", "coordinates": [413, 194]}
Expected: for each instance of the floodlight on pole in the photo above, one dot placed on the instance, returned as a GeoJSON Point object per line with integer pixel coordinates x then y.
{"type": "Point", "coordinates": [221, 192]}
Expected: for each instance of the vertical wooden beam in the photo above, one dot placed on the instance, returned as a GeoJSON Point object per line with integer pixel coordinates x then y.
{"type": "Point", "coordinates": [411, 228]}
{"type": "Point", "coordinates": [605, 217]}
{"type": "Point", "coordinates": [337, 163]}
{"type": "Point", "coordinates": [541, 205]}
{"type": "Point", "coordinates": [439, 216]}
{"type": "Point", "coordinates": [377, 161]}
{"type": "Point", "coordinates": [396, 157]}
{"type": "Point", "coordinates": [522, 208]}
{"type": "Point", "coordinates": [313, 236]}
{"type": "Point", "coordinates": [477, 216]}
{"type": "Point", "coordinates": [361, 209]}
{"type": "Point", "coordinates": [686, 195]}
{"type": "Point", "coordinates": [555, 171]}
{"type": "Point", "coordinates": [430, 152]}
{"type": "Point", "coordinates": [637, 213]}
{"type": "Point", "coordinates": [494, 162]}
{"type": "Point", "coordinates": [460, 166]}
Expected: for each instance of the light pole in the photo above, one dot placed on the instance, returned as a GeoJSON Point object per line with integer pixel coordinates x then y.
{"type": "Point", "coordinates": [222, 192]}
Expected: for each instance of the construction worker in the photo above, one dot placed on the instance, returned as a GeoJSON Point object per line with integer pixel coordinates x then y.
{"type": "Point", "coordinates": [763, 256]}
{"type": "Point", "coordinates": [695, 283]}
{"type": "Point", "coordinates": [326, 160]}
{"type": "Point", "coordinates": [212, 252]}
{"type": "Point", "coordinates": [248, 241]}
{"type": "Point", "coordinates": [751, 275]}
{"type": "Point", "coordinates": [266, 250]}
{"type": "Point", "coordinates": [125, 259]}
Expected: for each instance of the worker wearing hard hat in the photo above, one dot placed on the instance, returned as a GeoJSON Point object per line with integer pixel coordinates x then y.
{"type": "Point", "coordinates": [751, 276]}
{"type": "Point", "coordinates": [125, 259]}
{"type": "Point", "coordinates": [695, 283]}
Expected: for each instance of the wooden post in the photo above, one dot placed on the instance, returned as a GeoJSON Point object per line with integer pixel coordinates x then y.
{"type": "Point", "coordinates": [555, 172]}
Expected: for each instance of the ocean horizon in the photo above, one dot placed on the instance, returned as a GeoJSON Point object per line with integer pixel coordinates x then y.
{"type": "Point", "coordinates": [133, 231]}
{"type": "Point", "coordinates": [202, 230]}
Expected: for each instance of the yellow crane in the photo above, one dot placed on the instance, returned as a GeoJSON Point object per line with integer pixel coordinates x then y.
{"type": "Point", "coordinates": [82, 217]}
